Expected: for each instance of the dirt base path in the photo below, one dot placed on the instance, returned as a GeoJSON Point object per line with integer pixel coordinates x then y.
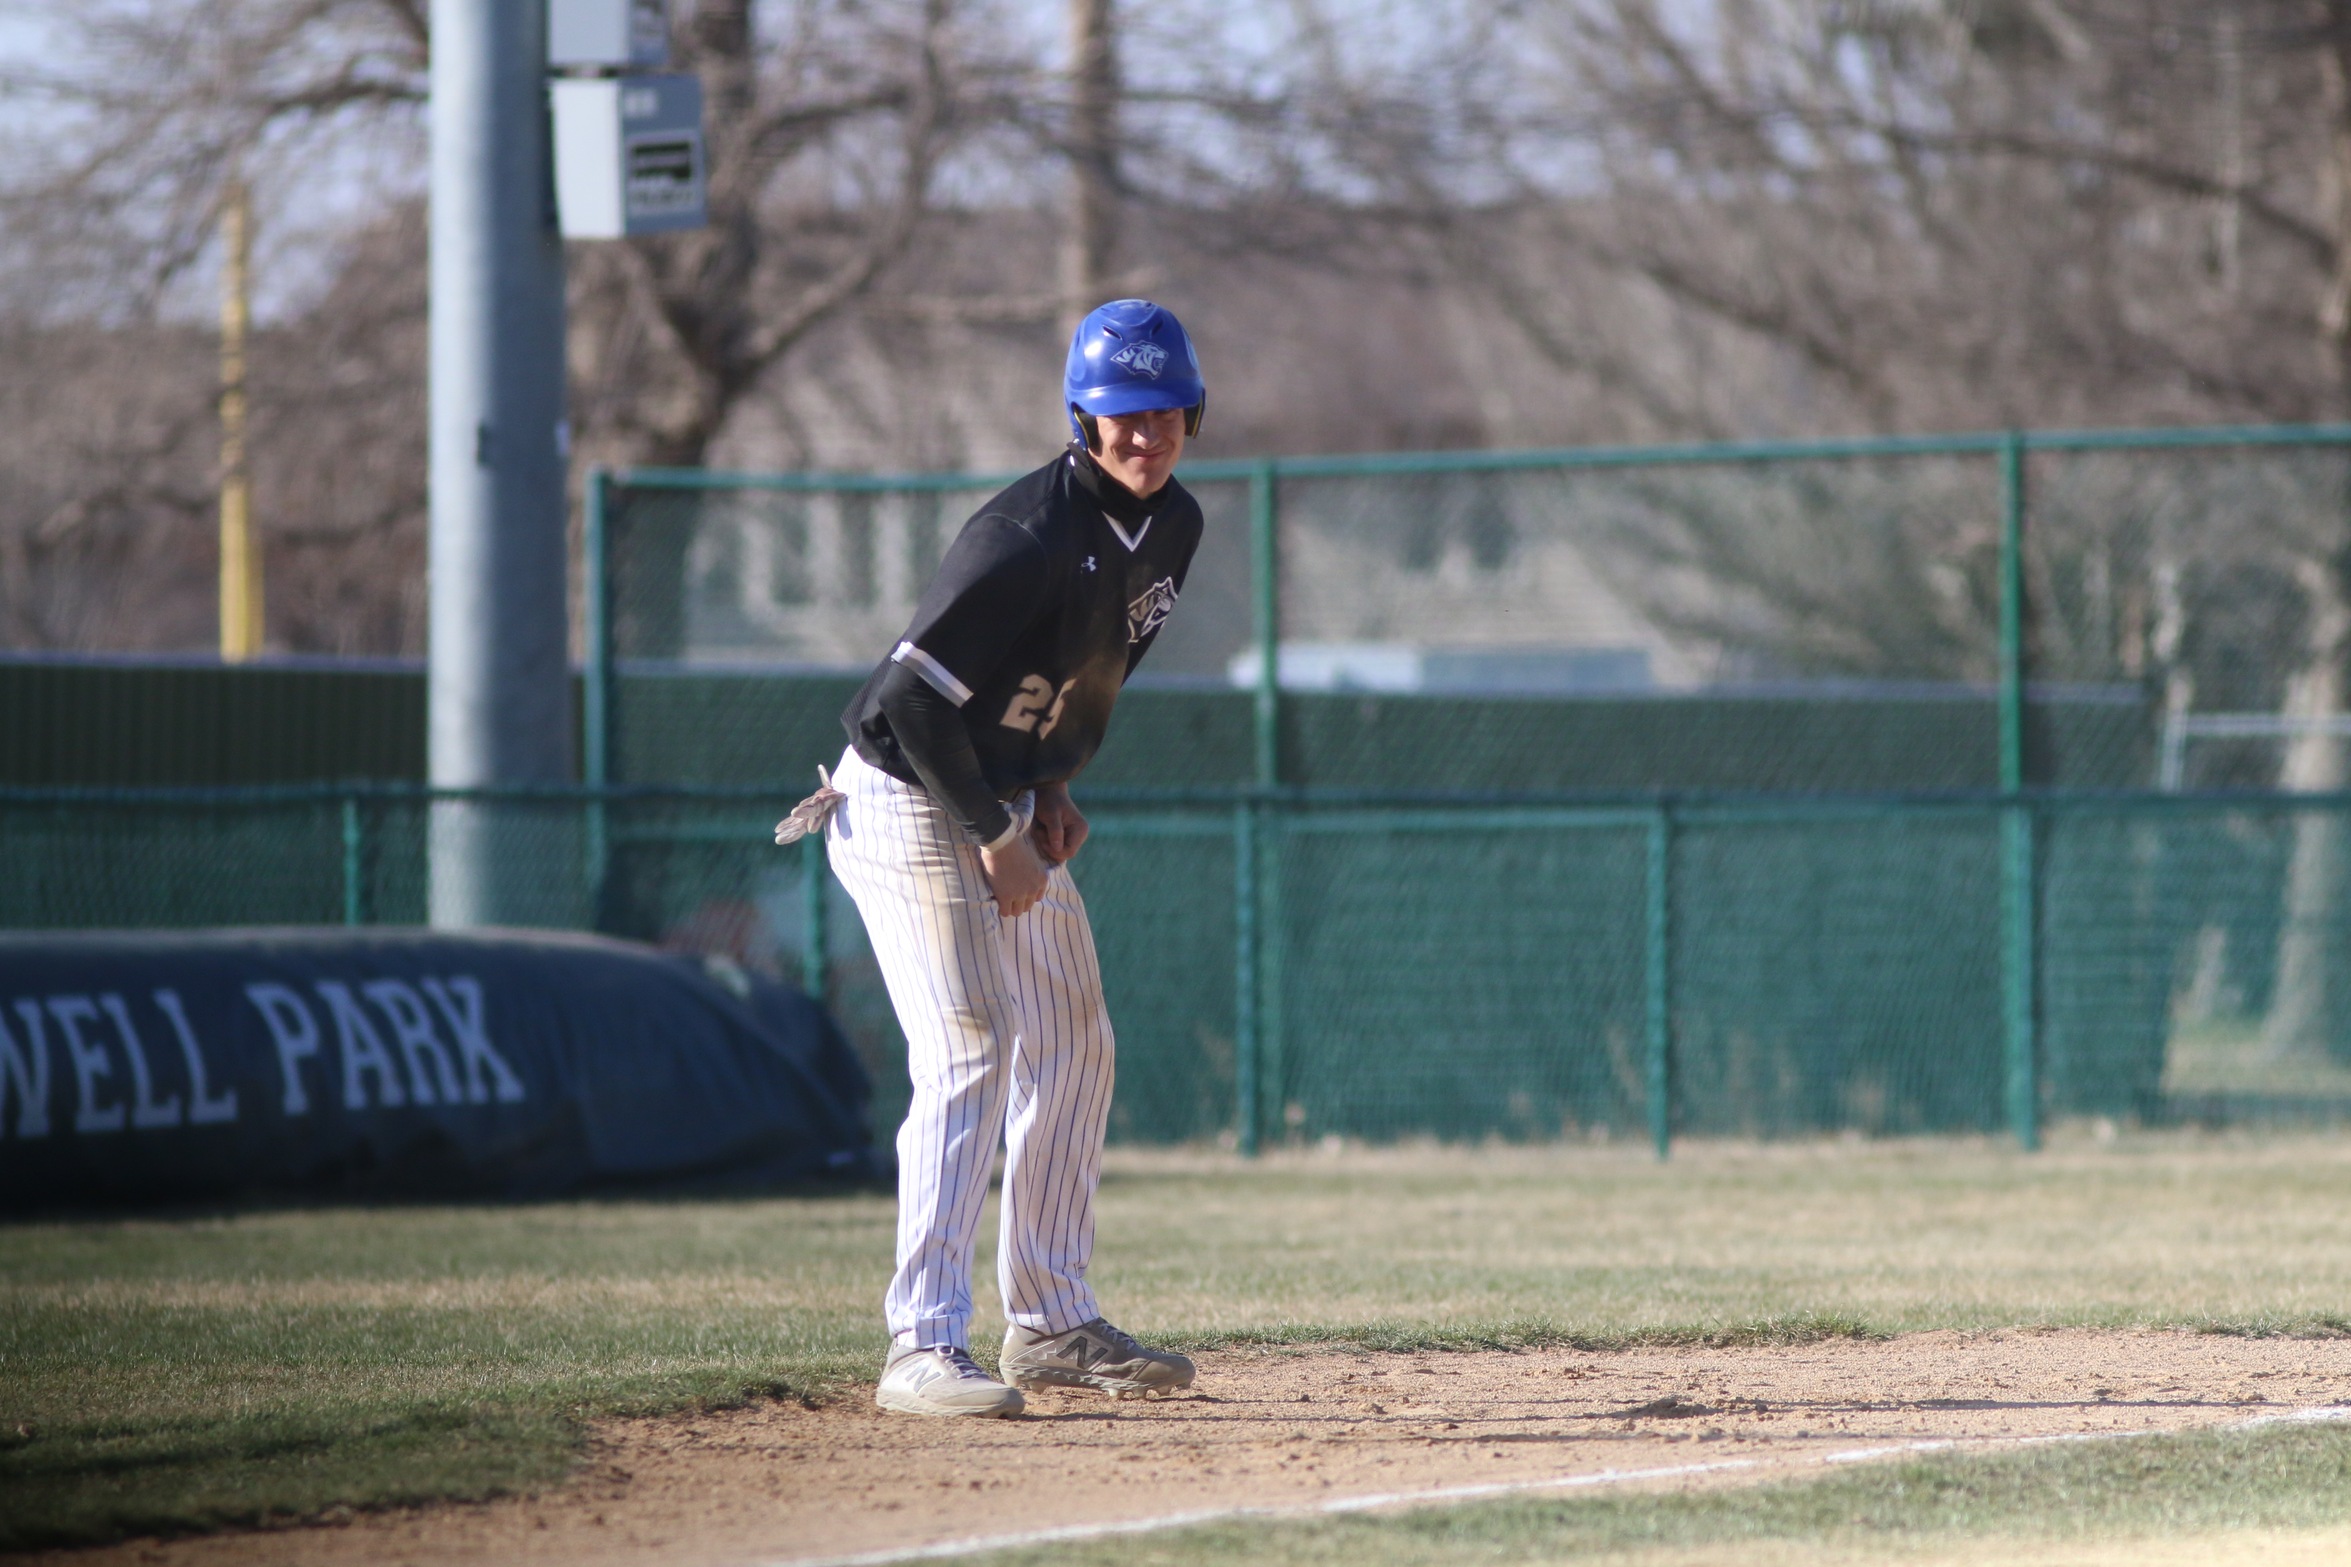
{"type": "Point", "coordinates": [780, 1483]}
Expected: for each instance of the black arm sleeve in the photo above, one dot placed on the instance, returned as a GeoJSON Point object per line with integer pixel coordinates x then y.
{"type": "Point", "coordinates": [929, 729]}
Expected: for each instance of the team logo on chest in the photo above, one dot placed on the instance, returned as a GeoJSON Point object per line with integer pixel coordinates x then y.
{"type": "Point", "coordinates": [1150, 611]}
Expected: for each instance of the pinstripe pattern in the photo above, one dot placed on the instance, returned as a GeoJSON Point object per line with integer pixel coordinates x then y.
{"type": "Point", "coordinates": [1007, 1036]}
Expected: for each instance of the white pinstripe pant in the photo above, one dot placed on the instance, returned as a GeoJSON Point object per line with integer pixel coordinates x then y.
{"type": "Point", "coordinates": [1006, 1034]}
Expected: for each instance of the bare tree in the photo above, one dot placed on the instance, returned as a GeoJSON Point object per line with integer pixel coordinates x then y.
{"type": "Point", "coordinates": [1932, 214]}
{"type": "Point", "coordinates": [151, 106]}
{"type": "Point", "coordinates": [1419, 225]}
{"type": "Point", "coordinates": [827, 139]}
{"type": "Point", "coordinates": [1088, 245]}
{"type": "Point", "coordinates": [151, 113]}
{"type": "Point", "coordinates": [828, 130]}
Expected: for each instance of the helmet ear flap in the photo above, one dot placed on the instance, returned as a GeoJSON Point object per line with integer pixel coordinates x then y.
{"type": "Point", "coordinates": [1088, 427]}
{"type": "Point", "coordinates": [1192, 416]}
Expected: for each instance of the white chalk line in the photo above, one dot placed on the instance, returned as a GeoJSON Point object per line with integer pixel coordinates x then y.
{"type": "Point", "coordinates": [979, 1544]}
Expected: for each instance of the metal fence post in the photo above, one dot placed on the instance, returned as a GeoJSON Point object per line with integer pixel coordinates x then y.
{"type": "Point", "coordinates": [596, 631]}
{"type": "Point", "coordinates": [1266, 620]}
{"type": "Point", "coordinates": [1256, 1049]}
{"type": "Point", "coordinates": [1245, 1063]}
{"type": "Point", "coordinates": [596, 688]}
{"type": "Point", "coordinates": [2017, 906]}
{"type": "Point", "coordinates": [1271, 1065]}
{"type": "Point", "coordinates": [2012, 508]}
{"type": "Point", "coordinates": [355, 899]}
{"type": "Point", "coordinates": [815, 871]}
{"type": "Point", "coordinates": [1658, 973]}
{"type": "Point", "coordinates": [2018, 892]}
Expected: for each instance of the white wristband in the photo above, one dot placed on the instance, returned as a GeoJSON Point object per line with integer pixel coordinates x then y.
{"type": "Point", "coordinates": [1004, 838]}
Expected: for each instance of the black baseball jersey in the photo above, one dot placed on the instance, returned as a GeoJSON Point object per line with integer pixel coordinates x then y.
{"type": "Point", "coordinates": [1043, 606]}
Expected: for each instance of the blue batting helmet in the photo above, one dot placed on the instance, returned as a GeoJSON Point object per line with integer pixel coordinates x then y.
{"type": "Point", "coordinates": [1128, 357]}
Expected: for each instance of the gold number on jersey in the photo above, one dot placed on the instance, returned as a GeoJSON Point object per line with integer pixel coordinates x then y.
{"type": "Point", "coordinates": [1060, 701]}
{"type": "Point", "coordinates": [1036, 706]}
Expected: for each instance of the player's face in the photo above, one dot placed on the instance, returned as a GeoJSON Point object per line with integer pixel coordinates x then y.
{"type": "Point", "coordinates": [1140, 450]}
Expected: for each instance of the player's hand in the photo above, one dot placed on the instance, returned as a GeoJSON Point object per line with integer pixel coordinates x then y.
{"type": "Point", "coordinates": [1060, 827]}
{"type": "Point", "coordinates": [1015, 875]}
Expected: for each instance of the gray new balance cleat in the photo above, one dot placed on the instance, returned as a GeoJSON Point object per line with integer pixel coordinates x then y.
{"type": "Point", "coordinates": [1096, 1355]}
{"type": "Point", "coordinates": [942, 1381]}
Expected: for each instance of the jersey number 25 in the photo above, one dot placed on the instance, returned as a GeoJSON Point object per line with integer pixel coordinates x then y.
{"type": "Point", "coordinates": [1036, 707]}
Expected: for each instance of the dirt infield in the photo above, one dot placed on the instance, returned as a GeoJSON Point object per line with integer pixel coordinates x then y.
{"type": "Point", "coordinates": [1275, 1429]}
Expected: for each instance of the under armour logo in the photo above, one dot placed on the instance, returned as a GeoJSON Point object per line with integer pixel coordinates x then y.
{"type": "Point", "coordinates": [1089, 565]}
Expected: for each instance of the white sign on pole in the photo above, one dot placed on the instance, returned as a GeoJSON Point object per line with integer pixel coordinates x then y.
{"type": "Point", "coordinates": [629, 156]}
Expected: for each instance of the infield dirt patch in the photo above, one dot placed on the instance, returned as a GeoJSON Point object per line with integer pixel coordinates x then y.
{"type": "Point", "coordinates": [1286, 1428]}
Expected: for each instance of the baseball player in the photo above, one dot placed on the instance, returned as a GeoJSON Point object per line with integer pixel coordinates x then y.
{"type": "Point", "coordinates": [950, 823]}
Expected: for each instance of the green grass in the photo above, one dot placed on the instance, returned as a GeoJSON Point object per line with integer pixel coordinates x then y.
{"type": "Point", "coordinates": [173, 1373]}
{"type": "Point", "coordinates": [162, 1375]}
{"type": "Point", "coordinates": [2203, 1484]}
{"type": "Point", "coordinates": [1508, 1246]}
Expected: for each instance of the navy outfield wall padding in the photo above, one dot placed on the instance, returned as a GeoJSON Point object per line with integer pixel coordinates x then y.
{"type": "Point", "coordinates": [143, 1067]}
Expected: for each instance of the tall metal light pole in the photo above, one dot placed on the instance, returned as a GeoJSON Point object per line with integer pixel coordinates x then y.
{"type": "Point", "coordinates": [500, 704]}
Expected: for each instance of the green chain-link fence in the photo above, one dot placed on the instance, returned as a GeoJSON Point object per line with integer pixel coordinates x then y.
{"type": "Point", "coordinates": [1415, 966]}
{"type": "Point", "coordinates": [1895, 785]}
